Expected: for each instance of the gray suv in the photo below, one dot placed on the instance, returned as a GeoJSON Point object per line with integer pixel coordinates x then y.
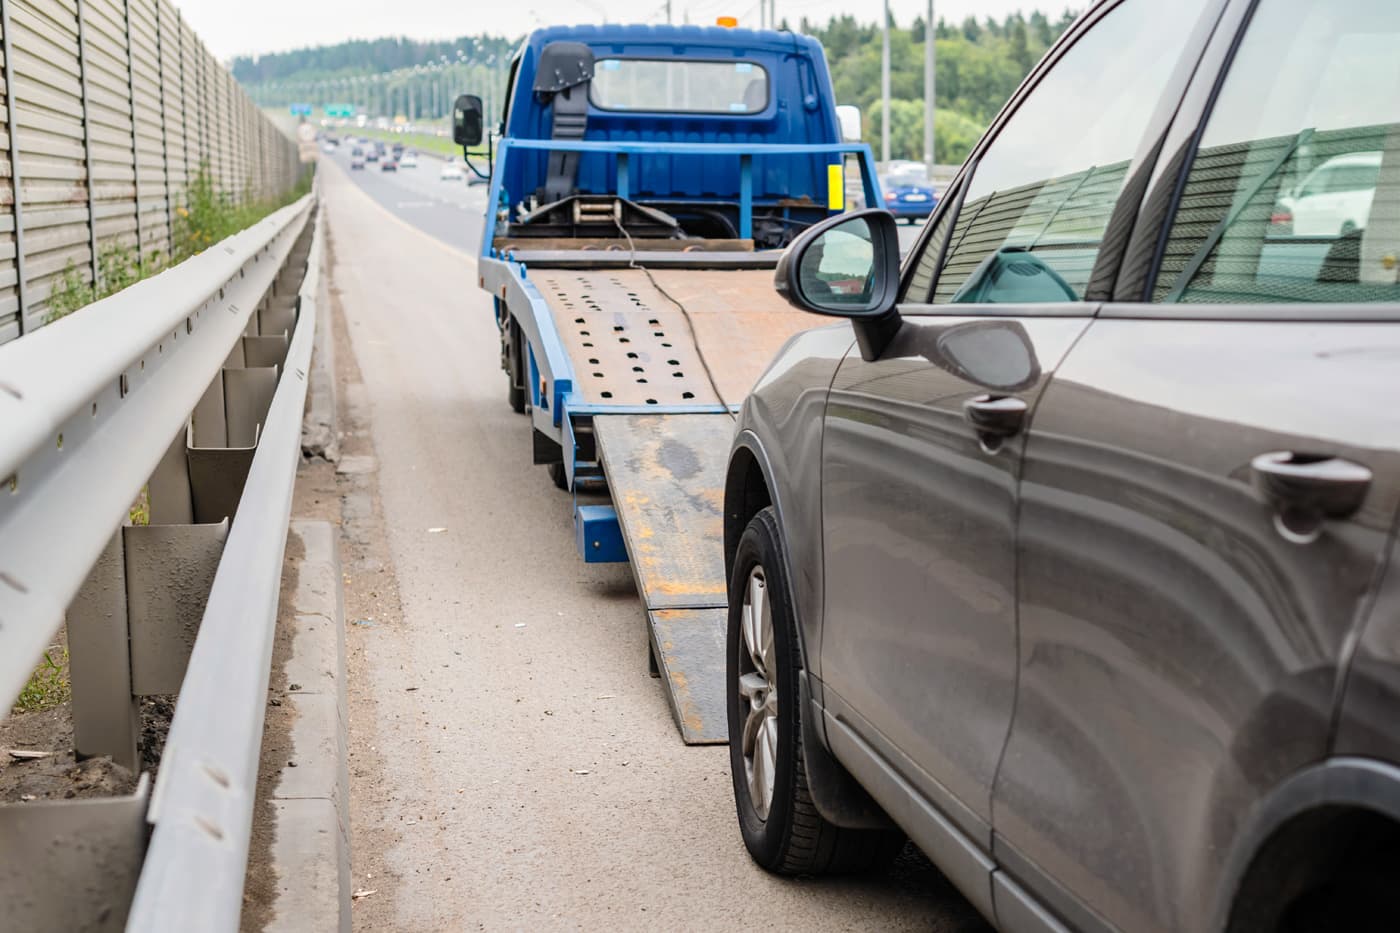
{"type": "Point", "coordinates": [1077, 563]}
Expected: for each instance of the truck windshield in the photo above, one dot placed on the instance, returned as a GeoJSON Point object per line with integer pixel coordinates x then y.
{"type": "Point", "coordinates": [679, 86]}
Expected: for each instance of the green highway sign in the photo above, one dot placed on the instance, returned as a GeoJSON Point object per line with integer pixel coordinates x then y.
{"type": "Point", "coordinates": [340, 110]}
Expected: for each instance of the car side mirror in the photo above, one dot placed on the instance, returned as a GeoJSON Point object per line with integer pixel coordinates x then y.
{"type": "Point", "coordinates": [847, 266]}
{"type": "Point", "coordinates": [467, 121]}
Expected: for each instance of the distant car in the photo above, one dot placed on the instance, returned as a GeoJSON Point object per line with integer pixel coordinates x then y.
{"type": "Point", "coordinates": [357, 161]}
{"type": "Point", "coordinates": [388, 164]}
{"type": "Point", "coordinates": [909, 195]}
{"type": "Point", "coordinates": [409, 160]}
{"type": "Point", "coordinates": [1334, 199]}
{"type": "Point", "coordinates": [451, 171]}
{"type": "Point", "coordinates": [372, 155]}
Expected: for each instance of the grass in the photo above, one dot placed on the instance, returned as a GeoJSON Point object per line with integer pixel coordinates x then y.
{"type": "Point", "coordinates": [48, 687]}
{"type": "Point", "coordinates": [207, 216]}
{"type": "Point", "coordinates": [140, 512]}
{"type": "Point", "coordinates": [423, 142]}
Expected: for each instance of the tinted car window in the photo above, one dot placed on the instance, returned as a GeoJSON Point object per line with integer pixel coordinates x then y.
{"type": "Point", "coordinates": [1294, 193]}
{"type": "Point", "coordinates": [1045, 187]}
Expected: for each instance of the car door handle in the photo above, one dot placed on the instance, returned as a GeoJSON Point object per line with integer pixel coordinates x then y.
{"type": "Point", "coordinates": [1310, 483]}
{"type": "Point", "coordinates": [1000, 416]}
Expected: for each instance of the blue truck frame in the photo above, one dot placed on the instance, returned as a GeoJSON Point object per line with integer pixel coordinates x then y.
{"type": "Point", "coordinates": [766, 173]}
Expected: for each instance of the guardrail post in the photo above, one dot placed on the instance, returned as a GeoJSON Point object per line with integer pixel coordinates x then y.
{"type": "Point", "coordinates": [169, 571]}
{"type": "Point", "coordinates": [72, 864]}
{"type": "Point", "coordinates": [106, 717]}
{"type": "Point", "coordinates": [16, 199]}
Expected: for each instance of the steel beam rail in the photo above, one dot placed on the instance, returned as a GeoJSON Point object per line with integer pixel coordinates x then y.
{"type": "Point", "coordinates": [202, 808]}
{"type": "Point", "coordinates": [89, 405]}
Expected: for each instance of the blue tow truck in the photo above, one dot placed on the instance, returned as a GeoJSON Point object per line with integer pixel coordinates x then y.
{"type": "Point", "coordinates": [646, 181]}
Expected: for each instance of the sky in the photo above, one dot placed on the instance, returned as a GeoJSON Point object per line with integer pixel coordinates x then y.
{"type": "Point", "coordinates": [259, 26]}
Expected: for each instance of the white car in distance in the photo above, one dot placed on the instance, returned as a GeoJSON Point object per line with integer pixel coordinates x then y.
{"type": "Point", "coordinates": [409, 160]}
{"type": "Point", "coordinates": [452, 170]}
{"type": "Point", "coordinates": [1334, 199]}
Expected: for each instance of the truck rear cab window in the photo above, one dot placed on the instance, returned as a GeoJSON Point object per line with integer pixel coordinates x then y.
{"type": "Point", "coordinates": [679, 86]}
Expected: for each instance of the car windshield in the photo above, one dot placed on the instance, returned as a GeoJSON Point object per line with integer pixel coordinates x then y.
{"type": "Point", "coordinates": [679, 86]}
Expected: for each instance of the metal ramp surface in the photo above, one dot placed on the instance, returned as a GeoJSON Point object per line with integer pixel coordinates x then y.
{"type": "Point", "coordinates": [666, 474]}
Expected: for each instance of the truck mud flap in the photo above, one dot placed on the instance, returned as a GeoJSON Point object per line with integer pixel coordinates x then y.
{"type": "Point", "coordinates": [666, 474]}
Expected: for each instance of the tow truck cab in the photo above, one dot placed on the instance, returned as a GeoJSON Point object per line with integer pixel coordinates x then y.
{"type": "Point", "coordinates": [667, 85]}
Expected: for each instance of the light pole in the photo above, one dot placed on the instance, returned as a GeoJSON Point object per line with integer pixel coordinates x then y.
{"type": "Point", "coordinates": [885, 86]}
{"type": "Point", "coordinates": [929, 58]}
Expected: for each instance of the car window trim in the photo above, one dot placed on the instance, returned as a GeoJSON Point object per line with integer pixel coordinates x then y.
{"type": "Point", "coordinates": [911, 262]}
{"type": "Point", "coordinates": [1185, 132]}
{"type": "Point", "coordinates": [1114, 249]}
{"type": "Point", "coordinates": [1066, 309]}
{"type": "Point", "coordinates": [1281, 312]}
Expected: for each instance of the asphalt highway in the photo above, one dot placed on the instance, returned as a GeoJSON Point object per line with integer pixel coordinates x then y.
{"type": "Point", "coordinates": [513, 765]}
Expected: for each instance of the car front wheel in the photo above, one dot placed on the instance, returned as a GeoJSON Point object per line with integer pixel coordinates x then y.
{"type": "Point", "coordinates": [782, 829]}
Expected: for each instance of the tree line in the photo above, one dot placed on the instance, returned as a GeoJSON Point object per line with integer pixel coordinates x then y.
{"type": "Point", "coordinates": [979, 65]}
{"type": "Point", "coordinates": [367, 57]}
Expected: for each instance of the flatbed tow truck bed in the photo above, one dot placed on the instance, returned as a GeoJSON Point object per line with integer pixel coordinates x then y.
{"type": "Point", "coordinates": [635, 356]}
{"type": "Point", "coordinates": [631, 345]}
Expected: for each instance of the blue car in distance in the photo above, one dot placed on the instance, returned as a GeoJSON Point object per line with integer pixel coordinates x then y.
{"type": "Point", "coordinates": [909, 195]}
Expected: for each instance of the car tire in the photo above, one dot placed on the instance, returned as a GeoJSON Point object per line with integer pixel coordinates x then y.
{"type": "Point", "coordinates": [784, 833]}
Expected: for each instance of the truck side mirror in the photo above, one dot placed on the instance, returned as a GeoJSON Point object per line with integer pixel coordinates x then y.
{"type": "Point", "coordinates": [847, 266]}
{"type": "Point", "coordinates": [467, 121]}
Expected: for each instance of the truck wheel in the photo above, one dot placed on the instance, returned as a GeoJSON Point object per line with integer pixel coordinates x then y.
{"type": "Point", "coordinates": [556, 473]}
{"type": "Point", "coordinates": [515, 369]}
{"type": "Point", "coordinates": [781, 827]}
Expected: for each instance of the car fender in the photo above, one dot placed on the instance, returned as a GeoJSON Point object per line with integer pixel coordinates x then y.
{"type": "Point", "coordinates": [835, 793]}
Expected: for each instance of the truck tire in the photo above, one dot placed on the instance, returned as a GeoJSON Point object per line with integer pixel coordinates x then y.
{"type": "Point", "coordinates": [515, 368]}
{"type": "Point", "coordinates": [781, 827]}
{"type": "Point", "coordinates": [557, 474]}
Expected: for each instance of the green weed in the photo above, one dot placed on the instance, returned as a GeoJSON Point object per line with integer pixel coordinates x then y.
{"type": "Point", "coordinates": [48, 686]}
{"type": "Point", "coordinates": [207, 216]}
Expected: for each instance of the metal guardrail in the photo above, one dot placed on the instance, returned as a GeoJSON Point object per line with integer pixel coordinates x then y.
{"type": "Point", "coordinates": [202, 809]}
{"type": "Point", "coordinates": [185, 390]}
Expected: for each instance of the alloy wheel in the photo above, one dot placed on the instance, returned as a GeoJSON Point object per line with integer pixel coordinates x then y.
{"type": "Point", "coordinates": [758, 689]}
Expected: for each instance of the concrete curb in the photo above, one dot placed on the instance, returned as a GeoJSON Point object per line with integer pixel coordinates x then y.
{"type": "Point", "coordinates": [320, 436]}
{"type": "Point", "coordinates": [311, 796]}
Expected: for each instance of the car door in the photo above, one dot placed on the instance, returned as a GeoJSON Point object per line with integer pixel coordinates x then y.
{"type": "Point", "coordinates": [922, 447]}
{"type": "Point", "coordinates": [1207, 493]}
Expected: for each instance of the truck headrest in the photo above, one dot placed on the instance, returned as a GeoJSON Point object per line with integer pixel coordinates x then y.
{"type": "Point", "coordinates": [563, 65]}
